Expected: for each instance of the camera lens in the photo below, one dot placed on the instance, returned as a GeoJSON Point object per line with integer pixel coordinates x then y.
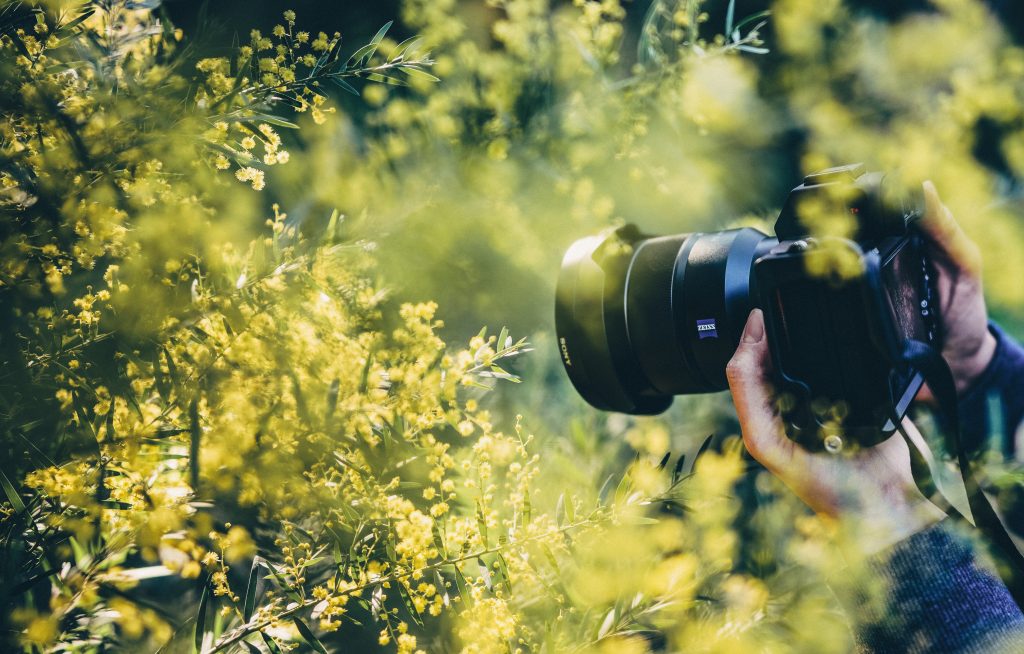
{"type": "Point", "coordinates": [640, 319]}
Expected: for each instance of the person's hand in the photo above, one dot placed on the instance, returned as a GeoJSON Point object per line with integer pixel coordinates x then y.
{"type": "Point", "coordinates": [968, 346]}
{"type": "Point", "coordinates": [872, 487]}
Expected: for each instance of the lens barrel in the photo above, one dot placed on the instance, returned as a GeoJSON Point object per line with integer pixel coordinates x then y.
{"type": "Point", "coordinates": [642, 319]}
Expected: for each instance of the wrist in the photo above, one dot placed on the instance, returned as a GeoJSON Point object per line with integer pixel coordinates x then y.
{"type": "Point", "coordinates": [968, 368]}
{"type": "Point", "coordinates": [874, 531]}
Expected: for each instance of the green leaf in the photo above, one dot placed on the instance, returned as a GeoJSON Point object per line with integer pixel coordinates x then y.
{"type": "Point", "coordinates": [678, 469]}
{"type": "Point", "coordinates": [502, 338]}
{"type": "Point", "coordinates": [276, 121]}
{"type": "Point", "coordinates": [332, 226]}
{"type": "Point", "coordinates": [730, 14]}
{"type": "Point", "coordinates": [752, 49]}
{"type": "Point", "coordinates": [439, 541]}
{"type": "Point", "coordinates": [485, 572]}
{"type": "Point", "coordinates": [308, 636]}
{"type": "Point", "coordinates": [413, 71]}
{"type": "Point", "coordinates": [12, 494]}
{"type": "Point", "coordinates": [195, 433]}
{"type": "Point", "coordinates": [560, 510]}
{"type": "Point", "coordinates": [250, 590]}
{"type": "Point", "coordinates": [622, 489]}
{"type": "Point", "coordinates": [505, 578]}
{"type": "Point", "coordinates": [200, 634]}
{"type": "Point", "coordinates": [463, 586]}
{"type": "Point", "coordinates": [281, 583]}
{"type": "Point", "coordinates": [410, 608]}
{"type": "Point", "coordinates": [379, 36]}
{"type": "Point", "coordinates": [82, 558]}
{"type": "Point", "coordinates": [700, 451]}
{"type": "Point", "coordinates": [609, 620]}
{"type": "Point", "coordinates": [345, 85]}
{"type": "Point", "coordinates": [442, 588]}
{"type": "Point", "coordinates": [82, 17]}
{"type": "Point", "coordinates": [337, 554]}
{"type": "Point", "coordinates": [664, 460]}
{"type": "Point", "coordinates": [481, 523]}
{"type": "Point", "coordinates": [753, 17]}
{"type": "Point", "coordinates": [407, 47]}
{"type": "Point", "coordinates": [550, 556]}
{"type": "Point", "coordinates": [363, 55]}
{"type": "Point", "coordinates": [602, 495]}
{"type": "Point", "coordinates": [271, 643]}
{"type": "Point", "coordinates": [637, 520]}
{"type": "Point", "coordinates": [377, 602]}
{"type": "Point", "coordinates": [386, 79]}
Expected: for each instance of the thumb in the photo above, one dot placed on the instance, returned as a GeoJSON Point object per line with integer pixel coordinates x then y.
{"type": "Point", "coordinates": [748, 375]}
{"type": "Point", "coordinates": [945, 235]}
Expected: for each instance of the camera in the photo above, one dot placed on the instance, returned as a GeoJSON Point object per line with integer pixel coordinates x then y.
{"type": "Point", "coordinates": [843, 284]}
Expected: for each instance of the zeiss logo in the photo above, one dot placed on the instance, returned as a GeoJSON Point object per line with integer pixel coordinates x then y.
{"type": "Point", "coordinates": [706, 328]}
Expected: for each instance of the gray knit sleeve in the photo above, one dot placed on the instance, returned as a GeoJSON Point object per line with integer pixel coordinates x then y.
{"type": "Point", "coordinates": [939, 599]}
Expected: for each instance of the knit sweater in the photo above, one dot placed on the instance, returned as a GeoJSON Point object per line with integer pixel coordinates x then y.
{"type": "Point", "coordinates": [939, 598]}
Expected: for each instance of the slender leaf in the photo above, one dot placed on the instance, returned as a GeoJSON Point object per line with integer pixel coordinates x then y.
{"type": "Point", "coordinates": [70, 25]}
{"type": "Point", "coordinates": [361, 56]}
{"type": "Point", "coordinates": [751, 18]}
{"type": "Point", "coordinates": [271, 643]}
{"type": "Point", "coordinates": [481, 523]}
{"type": "Point", "coordinates": [463, 586]}
{"type": "Point", "coordinates": [410, 608]}
{"type": "Point", "coordinates": [664, 461]}
{"type": "Point", "coordinates": [505, 577]}
{"type": "Point", "coordinates": [200, 633]}
{"type": "Point", "coordinates": [193, 462]}
{"type": "Point", "coordinates": [345, 85]}
{"type": "Point", "coordinates": [413, 71]}
{"type": "Point", "coordinates": [677, 471]}
{"type": "Point", "coordinates": [386, 79]}
{"type": "Point", "coordinates": [308, 636]}
{"type": "Point", "coordinates": [607, 624]}
{"type": "Point", "coordinates": [485, 573]}
{"type": "Point", "coordinates": [250, 590]}
{"type": "Point", "coordinates": [12, 494]}
{"type": "Point", "coordinates": [602, 495]}
{"type": "Point", "coordinates": [442, 588]}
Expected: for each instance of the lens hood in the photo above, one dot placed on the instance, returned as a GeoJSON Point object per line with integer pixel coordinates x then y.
{"type": "Point", "coordinates": [591, 328]}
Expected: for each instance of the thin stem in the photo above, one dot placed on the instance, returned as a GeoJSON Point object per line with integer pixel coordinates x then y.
{"type": "Point", "coordinates": [309, 79]}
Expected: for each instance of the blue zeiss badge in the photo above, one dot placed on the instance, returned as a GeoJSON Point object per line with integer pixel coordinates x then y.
{"type": "Point", "coordinates": [706, 328]}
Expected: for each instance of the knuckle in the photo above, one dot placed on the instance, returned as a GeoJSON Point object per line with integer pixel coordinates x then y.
{"type": "Point", "coordinates": [972, 257]}
{"type": "Point", "coordinates": [736, 369]}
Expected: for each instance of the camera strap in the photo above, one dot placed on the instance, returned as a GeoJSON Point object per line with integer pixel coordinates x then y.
{"type": "Point", "coordinates": [1010, 562]}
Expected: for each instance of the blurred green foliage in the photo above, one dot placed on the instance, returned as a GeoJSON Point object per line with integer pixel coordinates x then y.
{"type": "Point", "coordinates": [229, 417]}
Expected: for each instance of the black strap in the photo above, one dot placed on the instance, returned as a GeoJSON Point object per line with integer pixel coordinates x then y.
{"type": "Point", "coordinates": [1010, 562]}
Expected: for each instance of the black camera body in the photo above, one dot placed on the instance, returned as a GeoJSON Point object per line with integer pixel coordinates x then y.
{"type": "Point", "coordinates": [640, 319]}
